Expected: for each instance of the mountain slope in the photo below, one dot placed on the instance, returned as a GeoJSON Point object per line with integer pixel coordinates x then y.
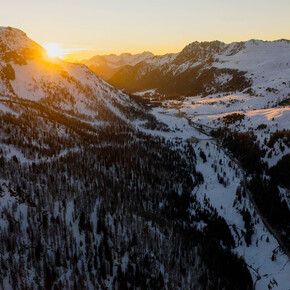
{"type": "Point", "coordinates": [28, 74]}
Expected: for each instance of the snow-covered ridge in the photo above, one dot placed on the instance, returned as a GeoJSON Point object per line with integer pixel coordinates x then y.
{"type": "Point", "coordinates": [193, 52]}
{"type": "Point", "coordinates": [211, 67]}
{"type": "Point", "coordinates": [26, 72]}
{"type": "Point", "coordinates": [13, 39]}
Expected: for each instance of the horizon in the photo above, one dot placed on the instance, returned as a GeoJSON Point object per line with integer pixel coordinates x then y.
{"type": "Point", "coordinates": [83, 30]}
{"type": "Point", "coordinates": [67, 54]}
{"type": "Point", "coordinates": [141, 52]}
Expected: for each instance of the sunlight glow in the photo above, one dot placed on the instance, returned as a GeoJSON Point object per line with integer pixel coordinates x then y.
{"type": "Point", "coordinates": [54, 50]}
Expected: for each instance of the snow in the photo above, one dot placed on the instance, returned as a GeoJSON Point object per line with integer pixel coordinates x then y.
{"type": "Point", "coordinates": [5, 109]}
{"type": "Point", "coordinates": [16, 39]}
{"type": "Point", "coordinates": [147, 92]}
{"type": "Point", "coordinates": [266, 63]}
{"type": "Point", "coordinates": [283, 114]}
{"type": "Point", "coordinates": [72, 88]}
{"type": "Point", "coordinates": [258, 255]}
{"type": "Point", "coordinates": [161, 59]}
{"type": "Point", "coordinates": [267, 56]}
{"type": "Point", "coordinates": [37, 81]}
{"type": "Point", "coordinates": [211, 109]}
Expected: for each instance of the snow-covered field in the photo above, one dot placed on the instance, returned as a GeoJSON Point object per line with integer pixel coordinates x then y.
{"type": "Point", "coordinates": [257, 111]}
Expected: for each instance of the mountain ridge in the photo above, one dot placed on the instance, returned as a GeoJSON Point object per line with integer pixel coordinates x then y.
{"type": "Point", "coordinates": [106, 65]}
{"type": "Point", "coordinates": [206, 68]}
{"type": "Point", "coordinates": [28, 73]}
{"type": "Point", "coordinates": [95, 63]}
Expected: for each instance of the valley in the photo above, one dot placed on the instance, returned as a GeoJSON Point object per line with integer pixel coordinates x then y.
{"type": "Point", "coordinates": [177, 178]}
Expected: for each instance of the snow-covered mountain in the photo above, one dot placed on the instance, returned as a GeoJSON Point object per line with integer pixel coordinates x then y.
{"type": "Point", "coordinates": [226, 189]}
{"type": "Point", "coordinates": [211, 67]}
{"type": "Point", "coordinates": [249, 78]}
{"type": "Point", "coordinates": [15, 41]}
{"type": "Point", "coordinates": [107, 65]}
{"type": "Point", "coordinates": [28, 74]}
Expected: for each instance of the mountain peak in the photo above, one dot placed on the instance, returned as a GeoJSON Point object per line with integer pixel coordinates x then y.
{"type": "Point", "coordinates": [200, 50]}
{"type": "Point", "coordinates": [15, 43]}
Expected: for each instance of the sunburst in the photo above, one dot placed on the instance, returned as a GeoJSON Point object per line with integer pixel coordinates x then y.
{"type": "Point", "coordinates": [54, 50]}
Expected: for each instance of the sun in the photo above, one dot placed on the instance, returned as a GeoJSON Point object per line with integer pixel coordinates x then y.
{"type": "Point", "coordinates": [53, 50]}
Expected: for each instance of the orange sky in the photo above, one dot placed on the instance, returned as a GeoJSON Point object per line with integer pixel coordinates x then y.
{"type": "Point", "coordinates": [89, 27]}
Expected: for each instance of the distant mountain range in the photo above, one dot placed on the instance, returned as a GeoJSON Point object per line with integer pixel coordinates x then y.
{"type": "Point", "coordinates": [107, 65]}
{"type": "Point", "coordinates": [204, 68]}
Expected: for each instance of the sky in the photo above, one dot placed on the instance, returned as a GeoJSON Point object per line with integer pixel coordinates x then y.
{"type": "Point", "coordinates": [83, 28]}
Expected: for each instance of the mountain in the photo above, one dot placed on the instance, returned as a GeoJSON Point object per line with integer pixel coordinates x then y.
{"type": "Point", "coordinates": [210, 67]}
{"type": "Point", "coordinates": [98, 191]}
{"type": "Point", "coordinates": [27, 74]}
{"type": "Point", "coordinates": [107, 65]}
